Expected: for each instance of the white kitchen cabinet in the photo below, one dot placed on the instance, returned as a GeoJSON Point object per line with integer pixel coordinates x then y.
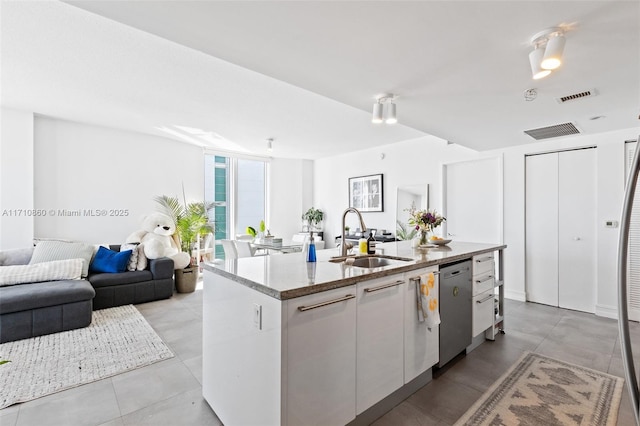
{"type": "Point", "coordinates": [561, 229]}
{"type": "Point", "coordinates": [483, 312]}
{"type": "Point", "coordinates": [421, 344]}
{"type": "Point", "coordinates": [321, 358]}
{"type": "Point", "coordinates": [380, 325]}
{"type": "Point", "coordinates": [483, 272]}
{"type": "Point", "coordinates": [483, 282]}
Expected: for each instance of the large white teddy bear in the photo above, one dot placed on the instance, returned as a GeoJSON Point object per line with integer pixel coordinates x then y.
{"type": "Point", "coordinates": [156, 236]}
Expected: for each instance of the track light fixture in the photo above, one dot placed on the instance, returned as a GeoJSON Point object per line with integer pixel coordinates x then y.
{"type": "Point", "coordinates": [535, 58]}
{"type": "Point", "coordinates": [548, 46]}
{"type": "Point", "coordinates": [378, 107]}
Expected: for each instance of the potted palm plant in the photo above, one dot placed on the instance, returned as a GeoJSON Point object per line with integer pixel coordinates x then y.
{"type": "Point", "coordinates": [192, 223]}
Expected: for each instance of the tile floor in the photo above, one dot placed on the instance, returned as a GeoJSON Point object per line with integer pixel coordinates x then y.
{"type": "Point", "coordinates": [169, 392]}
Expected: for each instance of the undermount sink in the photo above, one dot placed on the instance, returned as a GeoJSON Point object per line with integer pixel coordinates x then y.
{"type": "Point", "coordinates": [369, 261]}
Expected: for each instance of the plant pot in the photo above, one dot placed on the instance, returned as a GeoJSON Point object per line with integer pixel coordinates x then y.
{"type": "Point", "coordinates": [186, 279]}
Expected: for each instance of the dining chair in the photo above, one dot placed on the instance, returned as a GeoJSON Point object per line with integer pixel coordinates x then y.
{"type": "Point", "coordinates": [230, 251]}
{"type": "Point", "coordinates": [244, 249]}
{"type": "Point", "coordinates": [244, 237]}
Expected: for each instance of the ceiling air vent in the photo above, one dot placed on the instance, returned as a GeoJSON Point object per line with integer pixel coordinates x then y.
{"type": "Point", "coordinates": [555, 131]}
{"type": "Point", "coordinates": [574, 96]}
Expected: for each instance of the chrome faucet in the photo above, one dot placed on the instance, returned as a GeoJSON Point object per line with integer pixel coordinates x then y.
{"type": "Point", "coordinates": [343, 243]}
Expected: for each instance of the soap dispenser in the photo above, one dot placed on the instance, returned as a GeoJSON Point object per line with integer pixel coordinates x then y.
{"type": "Point", "coordinates": [363, 246]}
{"type": "Point", "coordinates": [311, 254]}
{"type": "Point", "coordinates": [371, 244]}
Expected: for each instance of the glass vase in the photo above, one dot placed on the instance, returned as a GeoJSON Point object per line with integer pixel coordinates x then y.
{"type": "Point", "coordinates": [424, 237]}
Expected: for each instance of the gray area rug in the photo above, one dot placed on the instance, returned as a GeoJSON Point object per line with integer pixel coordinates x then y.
{"type": "Point", "coordinates": [543, 391]}
{"type": "Point", "coordinates": [118, 340]}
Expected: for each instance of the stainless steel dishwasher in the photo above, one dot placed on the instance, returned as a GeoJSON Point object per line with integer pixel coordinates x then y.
{"type": "Point", "coordinates": [455, 310]}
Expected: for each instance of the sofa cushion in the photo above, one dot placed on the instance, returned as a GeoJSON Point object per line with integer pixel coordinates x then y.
{"type": "Point", "coordinates": [129, 277]}
{"type": "Point", "coordinates": [16, 256]}
{"type": "Point", "coordinates": [23, 297]}
{"type": "Point", "coordinates": [110, 261]}
{"type": "Point", "coordinates": [69, 269]}
{"type": "Point", "coordinates": [47, 251]}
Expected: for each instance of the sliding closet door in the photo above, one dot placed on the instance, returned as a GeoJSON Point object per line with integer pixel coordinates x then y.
{"type": "Point", "coordinates": [542, 228]}
{"type": "Point", "coordinates": [577, 236]}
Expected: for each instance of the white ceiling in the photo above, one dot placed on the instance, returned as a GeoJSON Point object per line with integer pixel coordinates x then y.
{"type": "Point", "coordinates": [230, 74]}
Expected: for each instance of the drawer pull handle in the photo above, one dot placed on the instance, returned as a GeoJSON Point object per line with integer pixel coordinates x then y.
{"type": "Point", "coordinates": [382, 287]}
{"type": "Point", "coordinates": [485, 299]}
{"type": "Point", "coordinates": [489, 277]}
{"type": "Point", "coordinates": [328, 302]}
{"type": "Point", "coordinates": [484, 259]}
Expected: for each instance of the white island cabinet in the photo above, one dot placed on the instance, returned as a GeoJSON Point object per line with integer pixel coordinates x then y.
{"type": "Point", "coordinates": [380, 352]}
{"type": "Point", "coordinates": [421, 350]}
{"type": "Point", "coordinates": [321, 358]}
{"type": "Point", "coordinates": [331, 343]}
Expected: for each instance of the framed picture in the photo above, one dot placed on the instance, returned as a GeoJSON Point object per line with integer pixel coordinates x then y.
{"type": "Point", "coordinates": [365, 193]}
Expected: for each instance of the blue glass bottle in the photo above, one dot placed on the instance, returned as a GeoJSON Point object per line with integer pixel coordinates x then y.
{"type": "Point", "coordinates": [311, 254]}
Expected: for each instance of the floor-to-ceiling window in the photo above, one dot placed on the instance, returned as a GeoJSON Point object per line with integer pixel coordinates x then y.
{"type": "Point", "coordinates": [237, 188]}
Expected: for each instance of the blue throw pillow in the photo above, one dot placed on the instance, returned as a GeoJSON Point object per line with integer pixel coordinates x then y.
{"type": "Point", "coordinates": [110, 261]}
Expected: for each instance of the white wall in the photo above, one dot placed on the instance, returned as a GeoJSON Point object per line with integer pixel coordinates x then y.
{"type": "Point", "coordinates": [611, 181]}
{"type": "Point", "coordinates": [83, 168]}
{"type": "Point", "coordinates": [420, 161]}
{"type": "Point", "coordinates": [417, 161]}
{"type": "Point", "coordinates": [291, 192]}
{"type": "Point", "coordinates": [16, 179]}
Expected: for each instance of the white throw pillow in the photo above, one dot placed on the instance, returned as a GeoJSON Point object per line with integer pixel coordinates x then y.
{"type": "Point", "coordinates": [133, 260]}
{"type": "Point", "coordinates": [68, 269]}
{"type": "Point", "coordinates": [46, 251]}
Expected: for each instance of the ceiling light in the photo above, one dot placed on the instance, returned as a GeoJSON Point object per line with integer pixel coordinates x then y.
{"type": "Point", "coordinates": [378, 109]}
{"type": "Point", "coordinates": [548, 46]}
{"type": "Point", "coordinates": [535, 58]}
{"type": "Point", "coordinates": [391, 114]}
{"type": "Point", "coordinates": [377, 113]}
{"type": "Point", "coordinates": [553, 52]}
{"type": "Point", "coordinates": [270, 144]}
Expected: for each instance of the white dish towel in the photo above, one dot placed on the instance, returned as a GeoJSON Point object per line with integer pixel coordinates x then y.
{"type": "Point", "coordinates": [427, 296]}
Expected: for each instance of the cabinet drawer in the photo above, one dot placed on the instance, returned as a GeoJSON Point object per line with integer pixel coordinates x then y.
{"type": "Point", "coordinates": [483, 263]}
{"type": "Point", "coordinates": [483, 312]}
{"type": "Point", "coordinates": [482, 283]}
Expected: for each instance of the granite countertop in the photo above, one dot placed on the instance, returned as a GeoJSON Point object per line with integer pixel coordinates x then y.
{"type": "Point", "coordinates": [287, 276]}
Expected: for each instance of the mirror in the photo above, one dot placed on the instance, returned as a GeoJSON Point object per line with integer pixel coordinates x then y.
{"type": "Point", "coordinates": [409, 196]}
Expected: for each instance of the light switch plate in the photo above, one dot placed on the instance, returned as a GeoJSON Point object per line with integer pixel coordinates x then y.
{"type": "Point", "coordinates": [257, 316]}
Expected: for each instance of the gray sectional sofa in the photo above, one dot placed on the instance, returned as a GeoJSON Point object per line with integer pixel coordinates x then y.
{"type": "Point", "coordinates": [132, 287]}
{"type": "Point", "coordinates": [34, 309]}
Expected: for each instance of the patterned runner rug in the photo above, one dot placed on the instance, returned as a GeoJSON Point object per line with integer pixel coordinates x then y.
{"type": "Point", "coordinates": [118, 340]}
{"type": "Point", "coordinates": [543, 391]}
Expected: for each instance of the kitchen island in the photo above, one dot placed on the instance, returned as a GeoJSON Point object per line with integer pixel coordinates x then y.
{"type": "Point", "coordinates": [290, 342]}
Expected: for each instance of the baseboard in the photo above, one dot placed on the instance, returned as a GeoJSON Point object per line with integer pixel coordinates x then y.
{"type": "Point", "coordinates": [607, 311]}
{"type": "Point", "coordinates": [386, 404]}
{"type": "Point", "coordinates": [520, 296]}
